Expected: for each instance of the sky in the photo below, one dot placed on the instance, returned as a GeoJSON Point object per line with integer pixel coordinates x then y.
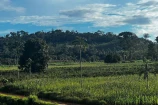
{"type": "Point", "coordinates": [138, 16]}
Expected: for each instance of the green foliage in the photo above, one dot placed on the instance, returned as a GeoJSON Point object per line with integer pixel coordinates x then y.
{"type": "Point", "coordinates": [60, 46]}
{"type": "Point", "coordinates": [32, 99]}
{"type": "Point", "coordinates": [148, 69]}
{"type": "Point", "coordinates": [17, 100]}
{"type": "Point", "coordinates": [71, 69]}
{"type": "Point", "coordinates": [4, 81]}
{"type": "Point", "coordinates": [152, 51]}
{"type": "Point", "coordinates": [156, 39]}
{"type": "Point", "coordinates": [35, 56]}
{"type": "Point", "coordinates": [112, 58]}
{"type": "Point", "coordinates": [96, 91]}
{"type": "Point", "coordinates": [128, 40]}
{"type": "Point", "coordinates": [111, 84]}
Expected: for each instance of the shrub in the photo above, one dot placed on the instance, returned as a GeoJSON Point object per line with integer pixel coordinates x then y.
{"type": "Point", "coordinates": [13, 100]}
{"type": "Point", "coordinates": [112, 58]}
{"type": "Point", "coordinates": [32, 99]}
{"type": "Point", "coordinates": [4, 81]}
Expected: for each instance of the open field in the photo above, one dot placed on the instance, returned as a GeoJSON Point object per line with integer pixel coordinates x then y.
{"type": "Point", "coordinates": [73, 64]}
{"type": "Point", "coordinates": [91, 64]}
{"type": "Point", "coordinates": [101, 84]}
{"type": "Point", "coordinates": [69, 70]}
{"type": "Point", "coordinates": [112, 89]}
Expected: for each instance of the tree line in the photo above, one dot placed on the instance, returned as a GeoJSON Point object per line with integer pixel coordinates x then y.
{"type": "Point", "coordinates": [126, 45]}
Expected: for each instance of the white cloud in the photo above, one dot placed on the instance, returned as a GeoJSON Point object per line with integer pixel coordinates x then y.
{"type": "Point", "coordinates": [142, 15]}
{"type": "Point", "coordinates": [41, 20]}
{"type": "Point", "coordinates": [107, 15]}
{"type": "Point", "coordinates": [150, 29]}
{"type": "Point", "coordinates": [36, 20]}
{"type": "Point", "coordinates": [87, 11]}
{"type": "Point", "coordinates": [6, 5]}
{"type": "Point", "coordinates": [94, 13]}
{"type": "Point", "coordinates": [147, 8]}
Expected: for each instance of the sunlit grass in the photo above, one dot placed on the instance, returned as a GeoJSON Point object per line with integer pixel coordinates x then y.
{"type": "Point", "coordinates": [8, 67]}
{"type": "Point", "coordinates": [73, 64]}
{"type": "Point", "coordinates": [113, 86]}
{"type": "Point", "coordinates": [126, 89]}
{"type": "Point", "coordinates": [90, 64]}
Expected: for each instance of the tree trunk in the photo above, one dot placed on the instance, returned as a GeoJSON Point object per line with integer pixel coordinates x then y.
{"type": "Point", "coordinates": [81, 64]}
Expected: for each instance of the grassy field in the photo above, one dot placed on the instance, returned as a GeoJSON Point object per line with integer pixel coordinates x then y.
{"type": "Point", "coordinates": [91, 64]}
{"type": "Point", "coordinates": [7, 99]}
{"type": "Point", "coordinates": [8, 67]}
{"type": "Point", "coordinates": [101, 84]}
{"type": "Point", "coordinates": [73, 64]}
{"type": "Point", "coordinates": [112, 89]}
{"type": "Point", "coordinates": [69, 70]}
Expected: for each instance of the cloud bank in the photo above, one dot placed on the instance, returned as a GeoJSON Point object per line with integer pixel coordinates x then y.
{"type": "Point", "coordinates": [141, 15]}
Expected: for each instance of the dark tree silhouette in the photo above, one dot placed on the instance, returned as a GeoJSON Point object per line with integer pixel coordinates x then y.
{"type": "Point", "coordinates": [35, 56]}
{"type": "Point", "coordinates": [128, 41]}
{"type": "Point", "coordinates": [112, 58]}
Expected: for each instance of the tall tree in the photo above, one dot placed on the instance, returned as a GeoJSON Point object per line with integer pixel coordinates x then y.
{"type": "Point", "coordinates": [156, 39]}
{"type": "Point", "coordinates": [36, 51]}
{"type": "Point", "coordinates": [146, 36]}
{"type": "Point", "coordinates": [156, 45]}
{"type": "Point", "coordinates": [144, 45]}
{"type": "Point", "coordinates": [128, 41]}
{"type": "Point", "coordinates": [152, 51]}
{"type": "Point", "coordinates": [81, 43]}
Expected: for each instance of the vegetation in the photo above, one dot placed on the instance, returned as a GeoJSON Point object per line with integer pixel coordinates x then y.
{"type": "Point", "coordinates": [102, 84]}
{"type": "Point", "coordinates": [72, 74]}
{"type": "Point", "coordinates": [61, 48]}
{"type": "Point", "coordinates": [112, 58]}
{"type": "Point", "coordinates": [18, 100]}
{"type": "Point", "coordinates": [34, 57]}
{"type": "Point", "coordinates": [111, 90]}
{"type": "Point", "coordinates": [67, 70]}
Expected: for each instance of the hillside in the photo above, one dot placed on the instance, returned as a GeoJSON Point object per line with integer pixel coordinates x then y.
{"type": "Point", "coordinates": [61, 47]}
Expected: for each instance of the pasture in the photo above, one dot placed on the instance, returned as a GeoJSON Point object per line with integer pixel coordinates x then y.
{"type": "Point", "coordinates": [101, 84]}
{"type": "Point", "coordinates": [112, 89]}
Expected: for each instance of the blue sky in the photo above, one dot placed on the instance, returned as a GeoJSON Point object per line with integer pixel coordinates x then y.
{"type": "Point", "coordinates": [138, 16]}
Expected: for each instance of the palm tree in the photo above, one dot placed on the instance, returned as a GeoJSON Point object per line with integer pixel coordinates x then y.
{"type": "Point", "coordinates": [79, 41]}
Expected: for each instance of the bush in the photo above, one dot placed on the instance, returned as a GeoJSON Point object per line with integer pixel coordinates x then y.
{"type": "Point", "coordinates": [31, 100]}
{"type": "Point", "coordinates": [112, 58]}
{"type": "Point", "coordinates": [4, 81]}
{"type": "Point", "coordinates": [15, 90]}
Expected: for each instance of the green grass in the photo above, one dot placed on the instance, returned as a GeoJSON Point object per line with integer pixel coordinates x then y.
{"type": "Point", "coordinates": [8, 67]}
{"type": "Point", "coordinates": [102, 83]}
{"type": "Point", "coordinates": [8, 99]}
{"type": "Point", "coordinates": [91, 64]}
{"type": "Point", "coordinates": [72, 64]}
{"type": "Point", "coordinates": [71, 69]}
{"type": "Point", "coordinates": [114, 89]}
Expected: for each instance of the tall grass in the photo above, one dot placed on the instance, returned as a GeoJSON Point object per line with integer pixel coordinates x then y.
{"type": "Point", "coordinates": [61, 70]}
{"type": "Point", "coordinates": [105, 83]}
{"type": "Point", "coordinates": [114, 89]}
{"type": "Point", "coordinates": [8, 68]}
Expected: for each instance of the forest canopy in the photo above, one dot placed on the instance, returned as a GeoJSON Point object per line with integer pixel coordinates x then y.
{"type": "Point", "coordinates": [60, 47]}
